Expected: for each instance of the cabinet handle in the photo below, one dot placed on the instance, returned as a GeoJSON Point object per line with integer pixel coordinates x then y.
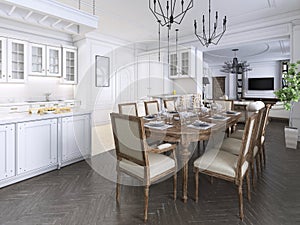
{"type": "Point", "coordinates": [13, 108]}
{"type": "Point", "coordinates": [3, 75]}
{"type": "Point", "coordinates": [9, 76]}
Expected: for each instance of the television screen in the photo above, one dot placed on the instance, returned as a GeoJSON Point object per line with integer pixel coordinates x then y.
{"type": "Point", "coordinates": [261, 84]}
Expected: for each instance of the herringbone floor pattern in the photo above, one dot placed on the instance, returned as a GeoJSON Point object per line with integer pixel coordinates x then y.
{"type": "Point", "coordinates": [77, 195]}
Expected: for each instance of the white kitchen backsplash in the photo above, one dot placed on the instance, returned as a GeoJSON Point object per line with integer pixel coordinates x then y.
{"type": "Point", "coordinates": [35, 89]}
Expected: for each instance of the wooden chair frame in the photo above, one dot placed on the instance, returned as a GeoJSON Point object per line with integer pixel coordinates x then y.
{"type": "Point", "coordinates": [133, 104]}
{"type": "Point", "coordinates": [238, 179]}
{"type": "Point", "coordinates": [166, 102]}
{"type": "Point", "coordinates": [224, 100]}
{"type": "Point", "coordinates": [150, 102]}
{"type": "Point", "coordinates": [147, 181]}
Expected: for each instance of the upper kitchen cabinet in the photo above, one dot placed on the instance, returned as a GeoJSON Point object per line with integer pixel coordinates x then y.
{"type": "Point", "coordinates": [69, 65]}
{"type": "Point", "coordinates": [16, 61]}
{"type": "Point", "coordinates": [54, 61]}
{"type": "Point", "coordinates": [182, 64]}
{"type": "Point", "coordinates": [45, 60]}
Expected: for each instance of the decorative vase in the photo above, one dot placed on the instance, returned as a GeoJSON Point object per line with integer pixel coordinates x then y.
{"type": "Point", "coordinates": [291, 137]}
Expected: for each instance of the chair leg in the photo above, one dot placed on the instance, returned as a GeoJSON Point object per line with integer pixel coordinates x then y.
{"type": "Point", "coordinates": [118, 187]}
{"type": "Point", "coordinates": [264, 153]}
{"type": "Point", "coordinates": [146, 203]}
{"type": "Point", "coordinates": [248, 185]}
{"type": "Point", "coordinates": [240, 192]}
{"type": "Point", "coordinates": [252, 174]}
{"type": "Point", "coordinates": [197, 185]}
{"type": "Point", "coordinates": [175, 185]}
{"type": "Point", "coordinates": [258, 166]}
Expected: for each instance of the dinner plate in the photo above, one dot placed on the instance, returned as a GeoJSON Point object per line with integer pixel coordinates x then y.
{"type": "Point", "coordinates": [156, 123]}
{"type": "Point", "coordinates": [199, 124]}
{"type": "Point", "coordinates": [219, 117]}
{"type": "Point", "coordinates": [150, 117]}
{"type": "Point", "coordinates": [230, 112]}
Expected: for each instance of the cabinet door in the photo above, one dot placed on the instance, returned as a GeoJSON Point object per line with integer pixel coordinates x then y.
{"type": "Point", "coordinates": [37, 60]}
{"type": "Point", "coordinates": [7, 151]}
{"type": "Point", "coordinates": [53, 61]}
{"type": "Point", "coordinates": [143, 76]}
{"type": "Point", "coordinates": [69, 66]}
{"type": "Point", "coordinates": [76, 135]}
{"type": "Point", "coordinates": [156, 74]}
{"type": "Point", "coordinates": [185, 63]}
{"type": "Point", "coordinates": [3, 62]}
{"type": "Point", "coordinates": [17, 61]}
{"type": "Point", "coordinates": [36, 145]}
{"type": "Point", "coordinates": [173, 65]}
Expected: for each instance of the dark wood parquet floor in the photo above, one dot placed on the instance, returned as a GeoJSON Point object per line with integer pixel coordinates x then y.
{"type": "Point", "coordinates": [77, 195]}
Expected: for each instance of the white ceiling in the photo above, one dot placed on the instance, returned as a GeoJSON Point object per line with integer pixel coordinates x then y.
{"type": "Point", "coordinates": [132, 20]}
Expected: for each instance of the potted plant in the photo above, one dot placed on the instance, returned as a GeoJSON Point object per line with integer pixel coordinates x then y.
{"type": "Point", "coordinates": [289, 94]}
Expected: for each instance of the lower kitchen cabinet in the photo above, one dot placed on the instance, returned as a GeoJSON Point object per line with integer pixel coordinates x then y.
{"type": "Point", "coordinates": [75, 137]}
{"type": "Point", "coordinates": [7, 151]}
{"type": "Point", "coordinates": [36, 145]}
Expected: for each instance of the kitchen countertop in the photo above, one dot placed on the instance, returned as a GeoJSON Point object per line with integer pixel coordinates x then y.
{"type": "Point", "coordinates": [25, 117]}
{"type": "Point", "coordinates": [34, 102]}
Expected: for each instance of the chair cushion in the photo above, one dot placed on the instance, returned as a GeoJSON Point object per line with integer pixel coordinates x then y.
{"type": "Point", "coordinates": [220, 162]}
{"type": "Point", "coordinates": [238, 134]}
{"type": "Point", "coordinates": [231, 145]}
{"type": "Point", "coordinates": [158, 164]}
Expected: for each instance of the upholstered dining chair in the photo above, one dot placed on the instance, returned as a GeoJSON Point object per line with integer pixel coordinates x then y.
{"type": "Point", "coordinates": [128, 109]}
{"type": "Point", "coordinates": [151, 107]}
{"type": "Point", "coordinates": [232, 145]}
{"type": "Point", "coordinates": [227, 166]}
{"type": "Point", "coordinates": [136, 159]}
{"type": "Point", "coordinates": [260, 142]}
{"type": "Point", "coordinates": [169, 104]}
{"type": "Point", "coordinates": [226, 104]}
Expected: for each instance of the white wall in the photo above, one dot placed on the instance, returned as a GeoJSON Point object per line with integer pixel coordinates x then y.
{"type": "Point", "coordinates": [260, 70]}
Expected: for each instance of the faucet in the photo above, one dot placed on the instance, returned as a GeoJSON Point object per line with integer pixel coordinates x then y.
{"type": "Point", "coordinates": [47, 95]}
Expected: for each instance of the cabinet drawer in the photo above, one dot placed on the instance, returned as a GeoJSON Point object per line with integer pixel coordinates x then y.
{"type": "Point", "coordinates": [14, 109]}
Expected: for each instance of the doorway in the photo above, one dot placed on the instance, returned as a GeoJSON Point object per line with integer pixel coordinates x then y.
{"type": "Point", "coordinates": [218, 87]}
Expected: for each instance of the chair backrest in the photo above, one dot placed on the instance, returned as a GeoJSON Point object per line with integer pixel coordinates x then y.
{"type": "Point", "coordinates": [130, 139]}
{"type": "Point", "coordinates": [128, 109]}
{"type": "Point", "coordinates": [226, 104]}
{"type": "Point", "coordinates": [255, 106]}
{"type": "Point", "coordinates": [169, 105]}
{"type": "Point", "coordinates": [247, 142]}
{"type": "Point", "coordinates": [265, 119]}
{"type": "Point", "coordinates": [151, 107]}
{"type": "Point", "coordinates": [197, 100]}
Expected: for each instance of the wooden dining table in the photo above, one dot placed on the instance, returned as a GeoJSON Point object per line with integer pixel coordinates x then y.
{"type": "Point", "coordinates": [184, 135]}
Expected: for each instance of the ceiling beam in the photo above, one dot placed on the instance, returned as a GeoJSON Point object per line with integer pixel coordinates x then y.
{"type": "Point", "coordinates": [28, 15]}
{"type": "Point", "coordinates": [272, 3]}
{"type": "Point", "coordinates": [11, 10]}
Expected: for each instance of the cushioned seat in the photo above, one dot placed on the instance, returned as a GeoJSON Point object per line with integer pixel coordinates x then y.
{"type": "Point", "coordinates": [220, 162]}
{"type": "Point", "coordinates": [238, 134]}
{"type": "Point", "coordinates": [158, 164]}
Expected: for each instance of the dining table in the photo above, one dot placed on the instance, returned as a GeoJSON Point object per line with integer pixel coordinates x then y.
{"type": "Point", "coordinates": [179, 128]}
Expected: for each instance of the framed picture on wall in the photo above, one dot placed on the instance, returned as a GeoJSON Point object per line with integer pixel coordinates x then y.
{"type": "Point", "coordinates": [102, 71]}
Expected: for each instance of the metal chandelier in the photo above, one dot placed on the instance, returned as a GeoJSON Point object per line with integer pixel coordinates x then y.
{"type": "Point", "coordinates": [212, 37]}
{"type": "Point", "coordinates": [170, 12]}
{"type": "Point", "coordinates": [235, 66]}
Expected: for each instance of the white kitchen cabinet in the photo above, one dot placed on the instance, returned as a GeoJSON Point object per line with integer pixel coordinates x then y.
{"type": "Point", "coordinates": [69, 66]}
{"type": "Point", "coordinates": [7, 151]}
{"type": "Point", "coordinates": [54, 61]}
{"type": "Point", "coordinates": [37, 59]}
{"type": "Point", "coordinates": [16, 61]}
{"type": "Point", "coordinates": [150, 75]}
{"type": "Point", "coordinates": [36, 145]}
{"type": "Point", "coordinates": [3, 60]}
{"type": "Point", "coordinates": [182, 64]}
{"type": "Point", "coordinates": [75, 137]}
